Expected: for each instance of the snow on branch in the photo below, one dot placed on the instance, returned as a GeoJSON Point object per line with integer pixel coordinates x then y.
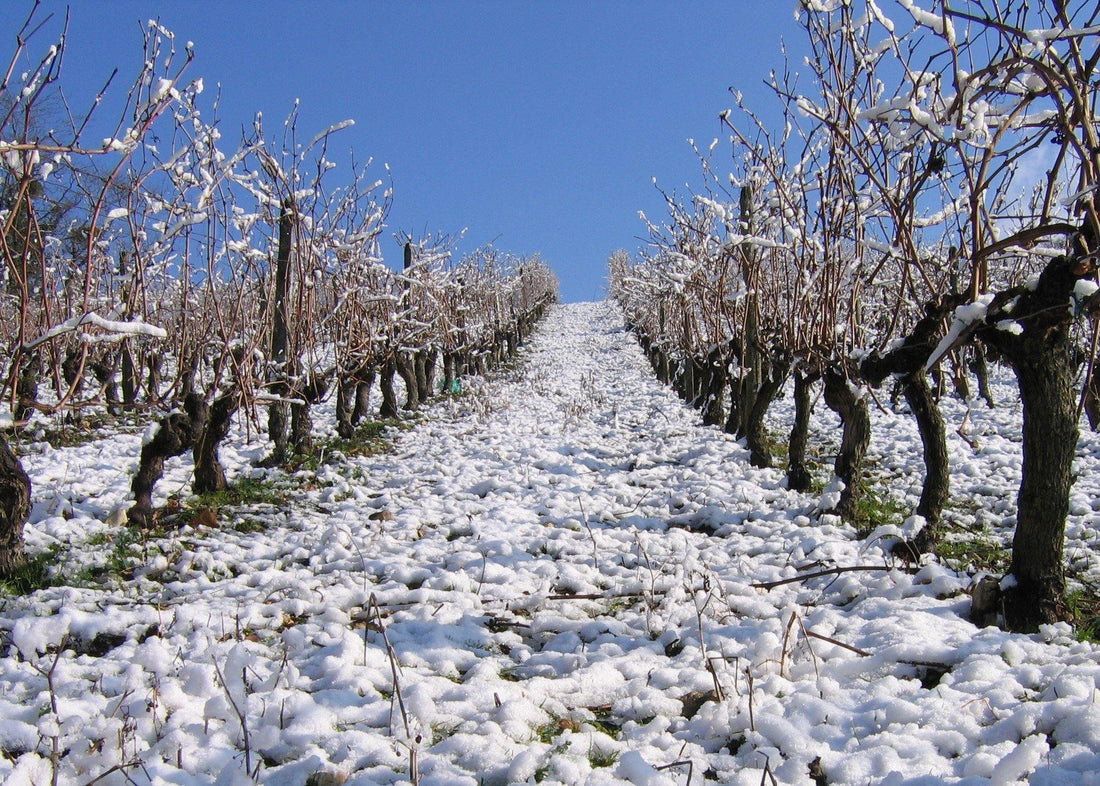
{"type": "Point", "coordinates": [965, 318]}
{"type": "Point", "coordinates": [131, 328]}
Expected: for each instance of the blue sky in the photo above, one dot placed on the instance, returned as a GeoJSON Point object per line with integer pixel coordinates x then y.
{"type": "Point", "coordinates": [537, 125]}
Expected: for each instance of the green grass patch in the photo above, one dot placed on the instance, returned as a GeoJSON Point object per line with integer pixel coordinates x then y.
{"type": "Point", "coordinates": [605, 723]}
{"type": "Point", "coordinates": [249, 525]}
{"type": "Point", "coordinates": [548, 732]}
{"type": "Point", "coordinates": [973, 552]}
{"type": "Point", "coordinates": [130, 547]}
{"type": "Point", "coordinates": [1084, 606]}
{"type": "Point", "coordinates": [875, 508]}
{"type": "Point", "coordinates": [127, 546]}
{"type": "Point", "coordinates": [246, 491]}
{"type": "Point", "coordinates": [779, 447]}
{"type": "Point", "coordinates": [370, 439]}
{"type": "Point", "coordinates": [598, 757]}
{"type": "Point", "coordinates": [39, 571]}
{"type": "Point", "coordinates": [818, 481]}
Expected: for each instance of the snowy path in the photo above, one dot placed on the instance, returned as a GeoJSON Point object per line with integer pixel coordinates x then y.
{"type": "Point", "coordinates": [566, 582]}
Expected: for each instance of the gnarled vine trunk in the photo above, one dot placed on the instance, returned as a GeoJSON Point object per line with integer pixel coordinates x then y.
{"type": "Point", "coordinates": [937, 477]}
{"type": "Point", "coordinates": [345, 406]}
{"type": "Point", "coordinates": [1040, 355]}
{"type": "Point", "coordinates": [980, 366]}
{"type": "Point", "coordinates": [907, 362]}
{"type": "Point", "coordinates": [389, 397]}
{"type": "Point", "coordinates": [15, 506]}
{"type": "Point", "coordinates": [855, 437]}
{"type": "Point", "coordinates": [798, 474]}
{"type": "Point", "coordinates": [714, 408]}
{"type": "Point", "coordinates": [1049, 444]}
{"type": "Point", "coordinates": [406, 367]}
{"type": "Point", "coordinates": [755, 430]}
{"type": "Point", "coordinates": [209, 472]}
{"type": "Point", "coordinates": [175, 434]}
{"type": "Point", "coordinates": [363, 386]}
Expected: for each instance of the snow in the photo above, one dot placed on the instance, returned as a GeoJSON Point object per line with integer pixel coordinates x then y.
{"type": "Point", "coordinates": [964, 316]}
{"type": "Point", "coordinates": [165, 88]}
{"type": "Point", "coordinates": [938, 24]}
{"type": "Point", "coordinates": [134, 327]}
{"type": "Point", "coordinates": [1084, 289]}
{"type": "Point", "coordinates": [568, 573]}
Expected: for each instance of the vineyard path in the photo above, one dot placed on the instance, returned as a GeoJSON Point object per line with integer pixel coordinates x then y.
{"type": "Point", "coordinates": [559, 565]}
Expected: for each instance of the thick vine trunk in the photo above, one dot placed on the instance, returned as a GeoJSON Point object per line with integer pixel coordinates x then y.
{"type": "Point", "coordinates": [798, 475]}
{"type": "Point", "coordinates": [733, 416]}
{"type": "Point", "coordinates": [105, 370]}
{"type": "Point", "coordinates": [907, 364]}
{"type": "Point", "coordinates": [937, 383]}
{"type": "Point", "coordinates": [681, 382]}
{"type": "Point", "coordinates": [714, 406]}
{"type": "Point", "coordinates": [431, 362]}
{"type": "Point", "coordinates": [751, 379]}
{"type": "Point", "coordinates": [71, 370]}
{"type": "Point", "coordinates": [1041, 358]}
{"type": "Point", "coordinates": [1050, 436]}
{"type": "Point", "coordinates": [388, 409]}
{"type": "Point", "coordinates": [937, 477]}
{"type": "Point", "coordinates": [278, 417]}
{"type": "Point", "coordinates": [209, 472]}
{"type": "Point", "coordinates": [345, 405]}
{"type": "Point", "coordinates": [661, 364]}
{"type": "Point", "coordinates": [175, 434]}
{"type": "Point", "coordinates": [311, 392]}
{"type": "Point", "coordinates": [301, 428]}
{"type": "Point", "coordinates": [448, 373]}
{"type": "Point", "coordinates": [15, 506]}
{"type": "Point", "coordinates": [959, 379]}
{"type": "Point", "coordinates": [364, 383]}
{"type": "Point", "coordinates": [423, 375]}
{"type": "Point", "coordinates": [756, 432]}
{"type": "Point", "coordinates": [844, 400]}
{"type": "Point", "coordinates": [152, 379]}
{"type": "Point", "coordinates": [27, 389]}
{"type": "Point", "coordinates": [188, 373]}
{"type": "Point", "coordinates": [699, 388]}
{"type": "Point", "coordinates": [406, 367]}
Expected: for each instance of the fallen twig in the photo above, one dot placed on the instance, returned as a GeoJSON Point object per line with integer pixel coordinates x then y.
{"type": "Point", "coordinates": [595, 596]}
{"type": "Point", "coordinates": [841, 644]}
{"type": "Point", "coordinates": [682, 763]}
{"type": "Point", "coordinates": [767, 585]}
{"type": "Point", "coordinates": [411, 742]}
{"type": "Point", "coordinates": [242, 718]}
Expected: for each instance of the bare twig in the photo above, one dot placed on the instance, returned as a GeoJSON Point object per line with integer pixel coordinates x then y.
{"type": "Point", "coordinates": [240, 713]}
{"type": "Point", "coordinates": [767, 585]}
{"type": "Point", "coordinates": [411, 742]}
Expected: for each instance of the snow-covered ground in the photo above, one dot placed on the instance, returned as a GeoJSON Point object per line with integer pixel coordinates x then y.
{"type": "Point", "coordinates": [549, 579]}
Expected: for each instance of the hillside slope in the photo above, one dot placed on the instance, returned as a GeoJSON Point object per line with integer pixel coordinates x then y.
{"type": "Point", "coordinates": [550, 578]}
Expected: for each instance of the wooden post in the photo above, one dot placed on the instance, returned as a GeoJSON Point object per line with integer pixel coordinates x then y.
{"type": "Point", "coordinates": [280, 337]}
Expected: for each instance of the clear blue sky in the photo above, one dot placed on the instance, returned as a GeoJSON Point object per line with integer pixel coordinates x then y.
{"type": "Point", "coordinates": [537, 125]}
